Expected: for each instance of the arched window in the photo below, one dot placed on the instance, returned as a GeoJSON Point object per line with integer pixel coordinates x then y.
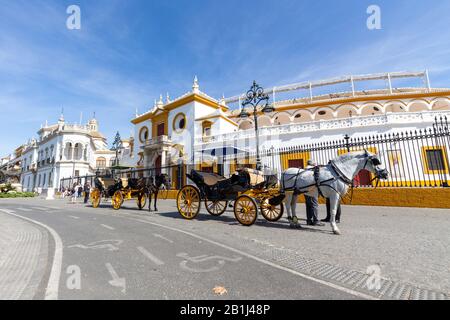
{"type": "Point", "coordinates": [206, 128]}
{"type": "Point", "coordinates": [68, 151]}
{"type": "Point", "coordinates": [77, 152]}
{"type": "Point", "coordinates": [101, 163]}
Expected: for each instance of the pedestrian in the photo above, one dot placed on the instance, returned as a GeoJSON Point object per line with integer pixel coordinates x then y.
{"type": "Point", "coordinates": [87, 190]}
{"type": "Point", "coordinates": [79, 190]}
{"type": "Point", "coordinates": [73, 195]}
{"type": "Point", "coordinates": [312, 203]}
{"type": "Point", "coordinates": [338, 213]}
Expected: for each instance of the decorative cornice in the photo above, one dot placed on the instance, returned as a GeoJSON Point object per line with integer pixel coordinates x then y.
{"type": "Point", "coordinates": [197, 97]}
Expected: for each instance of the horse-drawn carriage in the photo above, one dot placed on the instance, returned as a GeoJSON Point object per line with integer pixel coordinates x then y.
{"type": "Point", "coordinates": [119, 190]}
{"type": "Point", "coordinates": [251, 190]}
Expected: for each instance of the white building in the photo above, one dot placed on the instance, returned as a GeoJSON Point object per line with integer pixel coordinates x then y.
{"type": "Point", "coordinates": [63, 150]}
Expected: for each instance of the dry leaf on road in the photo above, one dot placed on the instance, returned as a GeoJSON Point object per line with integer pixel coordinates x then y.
{"type": "Point", "coordinates": [220, 290]}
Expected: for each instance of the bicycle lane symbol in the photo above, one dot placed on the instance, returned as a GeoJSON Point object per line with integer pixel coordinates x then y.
{"type": "Point", "coordinates": [204, 258]}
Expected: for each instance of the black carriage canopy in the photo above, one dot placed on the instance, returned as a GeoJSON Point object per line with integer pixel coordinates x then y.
{"type": "Point", "coordinates": [223, 151]}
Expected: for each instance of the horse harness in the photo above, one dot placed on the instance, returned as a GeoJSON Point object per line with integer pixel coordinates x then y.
{"type": "Point", "coordinates": [317, 183]}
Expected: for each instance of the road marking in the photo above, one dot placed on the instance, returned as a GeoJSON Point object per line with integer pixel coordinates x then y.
{"type": "Point", "coordinates": [74, 217]}
{"type": "Point", "coordinates": [220, 261]}
{"type": "Point", "coordinates": [154, 259]}
{"type": "Point", "coordinates": [51, 292]}
{"type": "Point", "coordinates": [54, 208]}
{"type": "Point", "coordinates": [162, 237]}
{"type": "Point", "coordinates": [25, 209]}
{"type": "Point", "coordinates": [116, 281]}
{"type": "Point", "coordinates": [107, 227]}
{"type": "Point", "coordinates": [39, 208]}
{"type": "Point", "coordinates": [110, 245]}
{"type": "Point", "coordinates": [323, 282]}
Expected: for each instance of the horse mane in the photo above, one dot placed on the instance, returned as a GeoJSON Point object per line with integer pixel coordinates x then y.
{"type": "Point", "coordinates": [341, 161]}
{"type": "Point", "coordinates": [350, 155]}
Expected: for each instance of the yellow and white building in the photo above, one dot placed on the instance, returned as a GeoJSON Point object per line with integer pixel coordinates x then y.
{"type": "Point", "coordinates": [179, 131]}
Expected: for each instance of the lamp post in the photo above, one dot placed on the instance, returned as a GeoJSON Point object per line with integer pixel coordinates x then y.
{"type": "Point", "coordinates": [254, 97]}
{"type": "Point", "coordinates": [116, 146]}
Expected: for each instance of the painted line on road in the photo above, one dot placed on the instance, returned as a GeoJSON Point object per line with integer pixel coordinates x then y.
{"type": "Point", "coordinates": [39, 208]}
{"type": "Point", "coordinates": [51, 292]}
{"type": "Point", "coordinates": [116, 281]}
{"type": "Point", "coordinates": [108, 227]}
{"type": "Point", "coordinates": [323, 282]}
{"type": "Point", "coordinates": [154, 259]}
{"type": "Point", "coordinates": [266, 262]}
{"type": "Point", "coordinates": [162, 237]}
{"type": "Point", "coordinates": [25, 209]}
{"type": "Point", "coordinates": [74, 217]}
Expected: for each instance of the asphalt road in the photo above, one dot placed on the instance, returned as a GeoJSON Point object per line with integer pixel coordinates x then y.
{"type": "Point", "coordinates": [129, 254]}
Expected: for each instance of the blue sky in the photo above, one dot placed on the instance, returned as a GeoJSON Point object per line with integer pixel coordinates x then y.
{"type": "Point", "coordinates": [129, 52]}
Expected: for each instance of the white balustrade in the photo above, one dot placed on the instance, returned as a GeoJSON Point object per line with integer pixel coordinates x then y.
{"type": "Point", "coordinates": [362, 121]}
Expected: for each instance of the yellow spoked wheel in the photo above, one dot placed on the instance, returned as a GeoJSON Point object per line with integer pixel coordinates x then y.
{"type": "Point", "coordinates": [245, 210]}
{"type": "Point", "coordinates": [188, 202]}
{"type": "Point", "coordinates": [117, 200]}
{"type": "Point", "coordinates": [141, 200]}
{"type": "Point", "coordinates": [271, 213]}
{"type": "Point", "coordinates": [216, 208]}
{"type": "Point", "coordinates": [95, 198]}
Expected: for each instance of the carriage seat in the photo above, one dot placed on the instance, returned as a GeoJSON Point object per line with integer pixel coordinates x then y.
{"type": "Point", "coordinates": [210, 179]}
{"type": "Point", "coordinates": [256, 177]}
{"type": "Point", "coordinates": [124, 182]}
{"type": "Point", "coordinates": [107, 182]}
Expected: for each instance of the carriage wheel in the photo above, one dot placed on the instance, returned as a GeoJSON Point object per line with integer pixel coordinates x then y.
{"type": "Point", "coordinates": [117, 200]}
{"type": "Point", "coordinates": [95, 198]}
{"type": "Point", "coordinates": [271, 213]}
{"type": "Point", "coordinates": [141, 200]}
{"type": "Point", "coordinates": [245, 210]}
{"type": "Point", "coordinates": [217, 207]}
{"type": "Point", "coordinates": [188, 202]}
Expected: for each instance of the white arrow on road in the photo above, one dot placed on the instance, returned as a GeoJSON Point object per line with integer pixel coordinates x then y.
{"type": "Point", "coordinates": [116, 281]}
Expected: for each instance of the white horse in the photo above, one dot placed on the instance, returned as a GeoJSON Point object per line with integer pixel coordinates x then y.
{"type": "Point", "coordinates": [331, 181]}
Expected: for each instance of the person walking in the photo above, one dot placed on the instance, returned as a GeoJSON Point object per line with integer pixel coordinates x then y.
{"type": "Point", "coordinates": [87, 191]}
{"type": "Point", "coordinates": [79, 190]}
{"type": "Point", "coordinates": [312, 203]}
{"type": "Point", "coordinates": [73, 194]}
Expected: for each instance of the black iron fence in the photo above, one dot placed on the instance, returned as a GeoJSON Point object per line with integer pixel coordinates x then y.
{"type": "Point", "coordinates": [176, 175]}
{"type": "Point", "coordinates": [414, 158]}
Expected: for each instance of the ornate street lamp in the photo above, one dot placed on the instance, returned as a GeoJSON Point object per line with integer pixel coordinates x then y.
{"type": "Point", "coordinates": [117, 146]}
{"type": "Point", "coordinates": [254, 97]}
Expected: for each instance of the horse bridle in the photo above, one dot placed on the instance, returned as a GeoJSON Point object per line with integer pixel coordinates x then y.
{"type": "Point", "coordinates": [379, 174]}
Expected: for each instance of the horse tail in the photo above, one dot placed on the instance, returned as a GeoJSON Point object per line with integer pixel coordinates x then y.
{"type": "Point", "coordinates": [283, 190]}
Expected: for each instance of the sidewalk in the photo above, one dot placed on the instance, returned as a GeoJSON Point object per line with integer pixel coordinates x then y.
{"type": "Point", "coordinates": [23, 258]}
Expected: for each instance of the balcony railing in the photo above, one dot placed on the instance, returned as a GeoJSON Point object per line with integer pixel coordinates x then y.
{"type": "Point", "coordinates": [320, 125]}
{"type": "Point", "coordinates": [157, 141]}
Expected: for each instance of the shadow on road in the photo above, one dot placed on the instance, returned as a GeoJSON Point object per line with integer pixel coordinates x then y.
{"type": "Point", "coordinates": [229, 220]}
